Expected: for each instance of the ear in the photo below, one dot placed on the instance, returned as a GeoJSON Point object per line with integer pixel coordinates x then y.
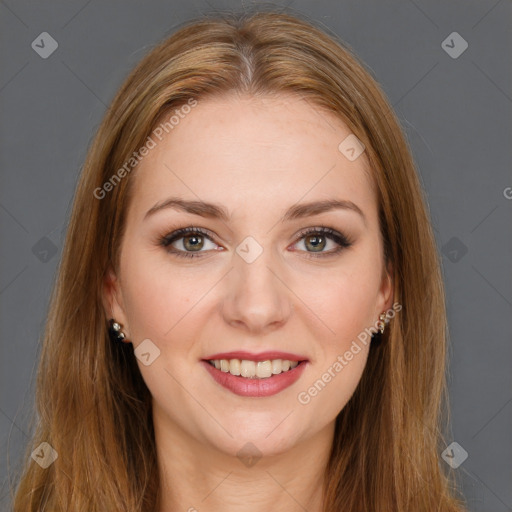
{"type": "Point", "coordinates": [385, 300]}
{"type": "Point", "coordinates": [113, 298]}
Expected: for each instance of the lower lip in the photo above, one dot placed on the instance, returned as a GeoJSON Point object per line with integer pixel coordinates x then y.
{"type": "Point", "coordinates": [256, 387]}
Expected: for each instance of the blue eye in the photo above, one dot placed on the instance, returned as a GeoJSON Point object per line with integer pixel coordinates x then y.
{"type": "Point", "coordinates": [193, 240]}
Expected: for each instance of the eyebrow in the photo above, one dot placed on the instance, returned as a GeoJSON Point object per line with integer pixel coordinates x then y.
{"type": "Point", "coordinates": [216, 211]}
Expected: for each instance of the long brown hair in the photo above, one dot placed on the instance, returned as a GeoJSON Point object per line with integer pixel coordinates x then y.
{"type": "Point", "coordinates": [93, 406]}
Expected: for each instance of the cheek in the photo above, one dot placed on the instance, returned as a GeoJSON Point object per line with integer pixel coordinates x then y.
{"type": "Point", "coordinates": [347, 308]}
{"type": "Point", "coordinates": [344, 300]}
{"type": "Point", "coordinates": [157, 297]}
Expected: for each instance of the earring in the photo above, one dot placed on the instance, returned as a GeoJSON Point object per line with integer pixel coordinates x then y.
{"type": "Point", "coordinates": [377, 337]}
{"type": "Point", "coordinates": [115, 333]}
{"type": "Point", "coordinates": [382, 318]}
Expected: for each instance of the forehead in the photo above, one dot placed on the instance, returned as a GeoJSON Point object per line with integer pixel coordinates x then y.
{"type": "Point", "coordinates": [252, 154]}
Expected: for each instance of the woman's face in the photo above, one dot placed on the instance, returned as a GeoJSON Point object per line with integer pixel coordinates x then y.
{"type": "Point", "coordinates": [252, 282]}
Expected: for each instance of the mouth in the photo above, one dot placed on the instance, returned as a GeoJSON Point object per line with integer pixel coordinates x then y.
{"type": "Point", "coordinates": [260, 375]}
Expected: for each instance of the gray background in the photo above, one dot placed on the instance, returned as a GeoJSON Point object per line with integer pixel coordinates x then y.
{"type": "Point", "coordinates": [457, 116]}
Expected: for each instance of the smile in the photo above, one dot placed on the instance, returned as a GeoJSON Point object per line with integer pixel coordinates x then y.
{"type": "Point", "coordinates": [250, 378]}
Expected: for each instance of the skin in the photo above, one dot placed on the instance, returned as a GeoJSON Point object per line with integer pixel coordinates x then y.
{"type": "Point", "coordinates": [256, 157]}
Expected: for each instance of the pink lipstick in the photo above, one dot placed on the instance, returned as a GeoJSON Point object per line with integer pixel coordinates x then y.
{"type": "Point", "coordinates": [236, 371]}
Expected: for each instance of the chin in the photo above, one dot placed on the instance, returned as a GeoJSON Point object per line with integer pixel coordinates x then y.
{"type": "Point", "coordinates": [251, 438]}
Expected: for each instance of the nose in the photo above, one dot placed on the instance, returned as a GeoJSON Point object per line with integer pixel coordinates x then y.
{"type": "Point", "coordinates": [257, 298]}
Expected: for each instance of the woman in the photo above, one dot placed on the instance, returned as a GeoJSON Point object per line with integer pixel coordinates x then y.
{"type": "Point", "coordinates": [249, 312]}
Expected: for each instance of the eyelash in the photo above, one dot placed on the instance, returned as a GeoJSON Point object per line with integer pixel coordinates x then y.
{"type": "Point", "coordinates": [343, 241]}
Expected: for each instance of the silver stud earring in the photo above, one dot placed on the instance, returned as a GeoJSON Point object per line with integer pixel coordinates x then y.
{"type": "Point", "coordinates": [377, 337]}
{"type": "Point", "coordinates": [382, 318]}
{"type": "Point", "coordinates": [115, 333]}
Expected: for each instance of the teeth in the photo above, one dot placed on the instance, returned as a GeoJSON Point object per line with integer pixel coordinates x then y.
{"type": "Point", "coordinates": [263, 369]}
{"type": "Point", "coordinates": [277, 366]}
{"type": "Point", "coordinates": [247, 368]}
{"type": "Point", "coordinates": [252, 369]}
{"type": "Point", "coordinates": [234, 367]}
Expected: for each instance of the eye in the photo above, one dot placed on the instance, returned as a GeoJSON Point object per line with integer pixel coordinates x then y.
{"type": "Point", "coordinates": [190, 240]}
{"type": "Point", "coordinates": [317, 239]}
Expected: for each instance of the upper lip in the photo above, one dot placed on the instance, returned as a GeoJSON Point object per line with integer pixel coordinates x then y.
{"type": "Point", "coordinates": [260, 356]}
